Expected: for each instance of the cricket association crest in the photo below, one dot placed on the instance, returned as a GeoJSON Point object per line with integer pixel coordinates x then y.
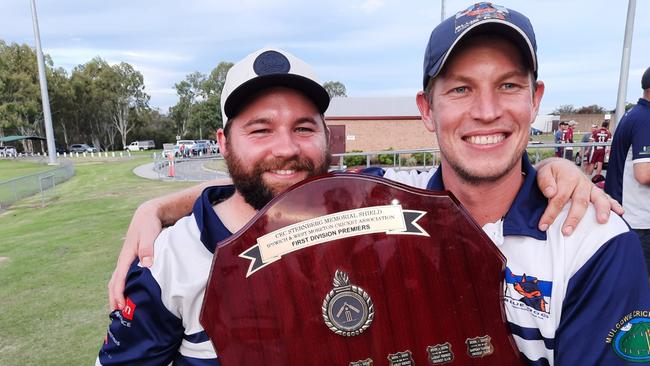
{"type": "Point", "coordinates": [347, 309]}
{"type": "Point", "coordinates": [630, 338]}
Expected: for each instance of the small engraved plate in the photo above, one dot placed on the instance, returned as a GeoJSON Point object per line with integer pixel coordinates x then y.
{"type": "Point", "coordinates": [440, 354]}
{"type": "Point", "coordinates": [401, 359]}
{"type": "Point", "coordinates": [479, 346]}
{"type": "Point", "coordinates": [366, 362]}
{"type": "Point", "coordinates": [347, 309]}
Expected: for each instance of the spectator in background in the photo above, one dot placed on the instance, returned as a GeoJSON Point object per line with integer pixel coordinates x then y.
{"type": "Point", "coordinates": [568, 139]}
{"type": "Point", "coordinates": [588, 166]}
{"type": "Point", "coordinates": [628, 174]}
{"type": "Point", "coordinates": [559, 138]}
{"type": "Point", "coordinates": [600, 135]}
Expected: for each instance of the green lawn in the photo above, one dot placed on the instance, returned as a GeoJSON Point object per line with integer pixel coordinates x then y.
{"type": "Point", "coordinates": [55, 262]}
{"type": "Point", "coordinates": [10, 169]}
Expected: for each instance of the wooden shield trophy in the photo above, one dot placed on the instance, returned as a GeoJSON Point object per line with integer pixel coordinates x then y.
{"type": "Point", "coordinates": [348, 269]}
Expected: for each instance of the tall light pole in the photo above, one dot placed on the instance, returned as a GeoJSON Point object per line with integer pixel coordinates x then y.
{"type": "Point", "coordinates": [47, 115]}
{"type": "Point", "coordinates": [625, 63]}
{"type": "Point", "coordinates": [442, 10]}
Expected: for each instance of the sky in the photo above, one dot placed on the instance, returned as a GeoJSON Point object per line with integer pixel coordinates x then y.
{"type": "Point", "coordinates": [374, 47]}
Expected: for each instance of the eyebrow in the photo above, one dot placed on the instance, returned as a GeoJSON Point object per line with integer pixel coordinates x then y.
{"type": "Point", "coordinates": [509, 74]}
{"type": "Point", "coordinates": [256, 121]}
{"type": "Point", "coordinates": [266, 121]}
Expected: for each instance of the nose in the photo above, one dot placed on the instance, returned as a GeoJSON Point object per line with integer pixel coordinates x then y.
{"type": "Point", "coordinates": [285, 144]}
{"type": "Point", "coordinates": [486, 106]}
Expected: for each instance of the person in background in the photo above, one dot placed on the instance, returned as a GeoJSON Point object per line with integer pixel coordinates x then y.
{"type": "Point", "coordinates": [628, 173]}
{"type": "Point", "coordinates": [588, 167]}
{"type": "Point", "coordinates": [559, 137]}
{"type": "Point", "coordinates": [600, 135]}
{"type": "Point", "coordinates": [568, 139]}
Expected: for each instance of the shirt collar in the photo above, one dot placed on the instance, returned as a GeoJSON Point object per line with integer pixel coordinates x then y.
{"type": "Point", "coordinates": [210, 226]}
{"type": "Point", "coordinates": [523, 216]}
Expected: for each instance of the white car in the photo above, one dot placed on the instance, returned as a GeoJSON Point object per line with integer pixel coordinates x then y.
{"type": "Point", "coordinates": [140, 145]}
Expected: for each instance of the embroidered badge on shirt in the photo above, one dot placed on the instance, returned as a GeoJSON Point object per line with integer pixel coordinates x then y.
{"type": "Point", "coordinates": [528, 293]}
{"type": "Point", "coordinates": [630, 337]}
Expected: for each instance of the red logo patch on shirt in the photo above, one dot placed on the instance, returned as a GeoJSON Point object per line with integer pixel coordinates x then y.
{"type": "Point", "coordinates": [128, 310]}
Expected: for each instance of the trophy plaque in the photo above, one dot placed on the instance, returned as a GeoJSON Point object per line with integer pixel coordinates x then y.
{"type": "Point", "coordinates": [349, 269]}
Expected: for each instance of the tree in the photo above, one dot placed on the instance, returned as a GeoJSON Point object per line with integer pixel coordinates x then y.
{"type": "Point", "coordinates": [198, 111]}
{"type": "Point", "coordinates": [126, 96]}
{"type": "Point", "coordinates": [565, 109]}
{"type": "Point", "coordinates": [335, 89]}
{"type": "Point", "coordinates": [20, 100]}
{"type": "Point", "coordinates": [591, 109]}
{"type": "Point", "coordinates": [188, 91]}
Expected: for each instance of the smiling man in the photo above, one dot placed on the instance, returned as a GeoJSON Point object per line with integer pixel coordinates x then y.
{"type": "Point", "coordinates": [576, 300]}
{"type": "Point", "coordinates": [274, 137]}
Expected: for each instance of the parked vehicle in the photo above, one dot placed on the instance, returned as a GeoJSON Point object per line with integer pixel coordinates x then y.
{"type": "Point", "coordinates": [199, 148]}
{"type": "Point", "coordinates": [213, 147]}
{"type": "Point", "coordinates": [140, 145]}
{"type": "Point", "coordinates": [81, 148]}
{"type": "Point", "coordinates": [7, 151]}
{"type": "Point", "coordinates": [62, 150]}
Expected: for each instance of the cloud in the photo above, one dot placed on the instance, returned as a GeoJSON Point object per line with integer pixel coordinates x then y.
{"type": "Point", "coordinates": [370, 6]}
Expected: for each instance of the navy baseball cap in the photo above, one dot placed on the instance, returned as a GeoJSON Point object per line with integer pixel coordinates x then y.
{"type": "Point", "coordinates": [480, 18]}
{"type": "Point", "coordinates": [265, 68]}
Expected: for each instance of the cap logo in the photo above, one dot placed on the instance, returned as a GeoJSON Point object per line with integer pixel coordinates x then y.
{"type": "Point", "coordinates": [271, 62]}
{"type": "Point", "coordinates": [477, 13]}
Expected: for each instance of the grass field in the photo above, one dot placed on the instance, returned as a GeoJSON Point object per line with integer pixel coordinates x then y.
{"type": "Point", "coordinates": [10, 169]}
{"type": "Point", "coordinates": [55, 262]}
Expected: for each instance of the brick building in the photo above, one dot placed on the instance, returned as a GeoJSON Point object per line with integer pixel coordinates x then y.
{"type": "Point", "coordinates": [584, 121]}
{"type": "Point", "coordinates": [377, 123]}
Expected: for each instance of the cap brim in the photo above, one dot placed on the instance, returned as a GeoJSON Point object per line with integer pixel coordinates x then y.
{"type": "Point", "coordinates": [240, 96]}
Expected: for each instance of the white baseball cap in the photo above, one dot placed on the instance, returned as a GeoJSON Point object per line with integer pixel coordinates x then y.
{"type": "Point", "coordinates": [269, 67]}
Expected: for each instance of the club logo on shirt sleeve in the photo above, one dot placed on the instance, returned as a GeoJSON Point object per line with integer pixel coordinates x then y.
{"type": "Point", "coordinates": [529, 293]}
{"type": "Point", "coordinates": [630, 337]}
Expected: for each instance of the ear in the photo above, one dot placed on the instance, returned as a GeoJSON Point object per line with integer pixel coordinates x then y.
{"type": "Point", "coordinates": [328, 135]}
{"type": "Point", "coordinates": [425, 111]}
{"type": "Point", "coordinates": [221, 139]}
{"type": "Point", "coordinates": [537, 99]}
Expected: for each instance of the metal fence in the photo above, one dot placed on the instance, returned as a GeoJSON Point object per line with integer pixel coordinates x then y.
{"type": "Point", "coordinates": [428, 158]}
{"type": "Point", "coordinates": [420, 159]}
{"type": "Point", "coordinates": [18, 188]}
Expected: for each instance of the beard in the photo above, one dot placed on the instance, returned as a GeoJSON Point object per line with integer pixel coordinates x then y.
{"type": "Point", "coordinates": [465, 172]}
{"type": "Point", "coordinates": [251, 185]}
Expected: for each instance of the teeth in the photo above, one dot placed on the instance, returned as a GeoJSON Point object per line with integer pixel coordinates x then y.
{"type": "Point", "coordinates": [284, 172]}
{"type": "Point", "coordinates": [485, 139]}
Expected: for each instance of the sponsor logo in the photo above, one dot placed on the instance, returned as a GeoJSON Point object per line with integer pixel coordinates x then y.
{"type": "Point", "coordinates": [117, 315]}
{"type": "Point", "coordinates": [529, 293]}
{"type": "Point", "coordinates": [477, 12]}
{"type": "Point", "coordinates": [630, 337]}
{"type": "Point", "coordinates": [128, 310]}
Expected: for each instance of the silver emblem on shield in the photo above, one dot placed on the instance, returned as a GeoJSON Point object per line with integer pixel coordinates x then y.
{"type": "Point", "coordinates": [347, 309]}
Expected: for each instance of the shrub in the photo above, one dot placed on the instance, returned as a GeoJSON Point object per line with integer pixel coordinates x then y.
{"type": "Point", "coordinates": [354, 160]}
{"type": "Point", "coordinates": [386, 159]}
{"type": "Point", "coordinates": [423, 157]}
